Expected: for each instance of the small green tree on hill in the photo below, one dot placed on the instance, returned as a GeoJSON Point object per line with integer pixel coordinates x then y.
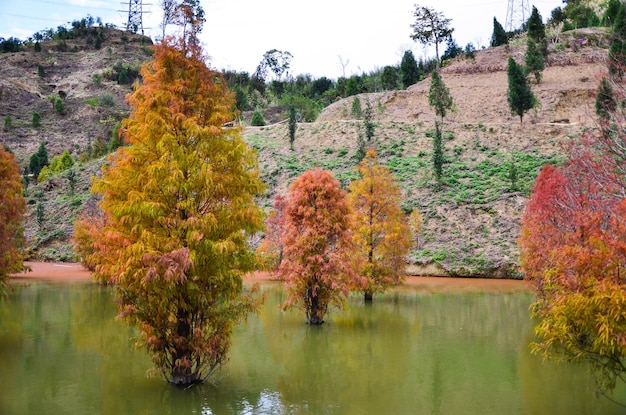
{"type": "Point", "coordinates": [409, 71]}
{"type": "Point", "coordinates": [499, 36]}
{"type": "Point", "coordinates": [257, 119]}
{"type": "Point", "coordinates": [438, 158]}
{"type": "Point", "coordinates": [519, 94]}
{"type": "Point", "coordinates": [439, 95]}
{"type": "Point", "coordinates": [537, 31]}
{"type": "Point", "coordinates": [617, 50]}
{"type": "Point", "coordinates": [293, 125]}
{"type": "Point", "coordinates": [534, 60]}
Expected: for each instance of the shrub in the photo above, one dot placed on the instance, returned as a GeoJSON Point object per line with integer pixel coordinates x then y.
{"type": "Point", "coordinates": [107, 100]}
{"type": "Point", "coordinates": [36, 119]}
{"type": "Point", "coordinates": [257, 119]}
{"type": "Point", "coordinates": [59, 105]}
{"type": "Point", "coordinates": [97, 79]}
{"type": "Point", "coordinates": [40, 71]}
{"type": "Point", "coordinates": [8, 123]}
{"type": "Point", "coordinates": [92, 102]}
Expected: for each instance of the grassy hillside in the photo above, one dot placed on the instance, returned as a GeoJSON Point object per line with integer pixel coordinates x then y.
{"type": "Point", "coordinates": [471, 219]}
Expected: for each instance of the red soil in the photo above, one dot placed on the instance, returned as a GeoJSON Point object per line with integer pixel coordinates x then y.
{"type": "Point", "coordinates": [52, 271]}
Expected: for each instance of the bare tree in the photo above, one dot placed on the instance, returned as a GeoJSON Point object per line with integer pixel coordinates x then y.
{"type": "Point", "coordinates": [343, 64]}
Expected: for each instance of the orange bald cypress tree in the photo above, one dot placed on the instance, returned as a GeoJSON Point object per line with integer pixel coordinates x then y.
{"type": "Point", "coordinates": [573, 250]}
{"type": "Point", "coordinates": [12, 209]}
{"type": "Point", "coordinates": [381, 232]}
{"type": "Point", "coordinates": [180, 206]}
{"type": "Point", "coordinates": [318, 250]}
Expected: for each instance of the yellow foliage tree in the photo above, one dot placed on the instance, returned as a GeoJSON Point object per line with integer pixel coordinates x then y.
{"type": "Point", "coordinates": [12, 209]}
{"type": "Point", "coordinates": [180, 206]}
{"type": "Point", "coordinates": [381, 231]}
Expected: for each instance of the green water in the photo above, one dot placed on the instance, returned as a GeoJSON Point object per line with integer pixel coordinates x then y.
{"type": "Point", "coordinates": [63, 352]}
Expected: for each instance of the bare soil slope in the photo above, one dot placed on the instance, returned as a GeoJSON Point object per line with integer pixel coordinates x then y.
{"type": "Point", "coordinates": [471, 222]}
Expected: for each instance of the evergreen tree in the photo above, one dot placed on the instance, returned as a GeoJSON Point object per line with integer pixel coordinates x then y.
{"type": "Point", "coordinates": [368, 122]}
{"type": "Point", "coordinates": [519, 94]}
{"type": "Point", "coordinates": [611, 12]}
{"type": "Point", "coordinates": [535, 63]}
{"type": "Point", "coordinates": [499, 36]}
{"type": "Point", "coordinates": [617, 50]}
{"type": "Point", "coordinates": [537, 31]}
{"type": "Point", "coordinates": [257, 119]}
{"type": "Point", "coordinates": [35, 165]}
{"type": "Point", "coordinates": [389, 78]}
{"type": "Point", "coordinates": [409, 71]}
{"type": "Point", "coordinates": [439, 95]}
{"type": "Point", "coordinates": [356, 110]}
{"type": "Point", "coordinates": [42, 153]}
{"type": "Point", "coordinates": [438, 158]}
{"type": "Point", "coordinates": [293, 125]}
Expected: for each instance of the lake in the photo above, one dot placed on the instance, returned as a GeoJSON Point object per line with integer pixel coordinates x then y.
{"type": "Point", "coordinates": [411, 352]}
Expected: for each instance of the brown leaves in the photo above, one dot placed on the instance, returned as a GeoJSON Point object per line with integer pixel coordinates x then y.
{"type": "Point", "coordinates": [317, 264]}
{"type": "Point", "coordinates": [179, 207]}
{"type": "Point", "coordinates": [12, 210]}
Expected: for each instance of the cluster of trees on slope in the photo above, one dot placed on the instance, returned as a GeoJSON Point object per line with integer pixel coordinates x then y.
{"type": "Point", "coordinates": [92, 30]}
{"type": "Point", "coordinates": [573, 244]}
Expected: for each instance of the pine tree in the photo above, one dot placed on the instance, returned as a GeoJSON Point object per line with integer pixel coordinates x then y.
{"type": "Point", "coordinates": [519, 94]}
{"type": "Point", "coordinates": [617, 50]}
{"type": "Point", "coordinates": [534, 60]}
{"type": "Point", "coordinates": [499, 36]}
{"type": "Point", "coordinates": [439, 95]}
{"type": "Point", "coordinates": [537, 31]}
{"type": "Point", "coordinates": [409, 71]}
{"type": "Point", "coordinates": [293, 125]}
{"type": "Point", "coordinates": [438, 158]}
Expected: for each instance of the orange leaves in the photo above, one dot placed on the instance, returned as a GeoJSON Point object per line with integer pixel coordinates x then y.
{"type": "Point", "coordinates": [12, 210]}
{"type": "Point", "coordinates": [573, 249]}
{"type": "Point", "coordinates": [381, 231]}
{"type": "Point", "coordinates": [318, 250]}
{"type": "Point", "coordinates": [332, 242]}
{"type": "Point", "coordinates": [179, 208]}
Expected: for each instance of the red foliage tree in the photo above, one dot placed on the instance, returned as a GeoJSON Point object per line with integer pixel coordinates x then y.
{"type": "Point", "coordinates": [573, 249]}
{"type": "Point", "coordinates": [12, 209]}
{"type": "Point", "coordinates": [318, 252]}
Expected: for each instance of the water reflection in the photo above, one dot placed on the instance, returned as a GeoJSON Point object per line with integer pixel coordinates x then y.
{"type": "Point", "coordinates": [62, 351]}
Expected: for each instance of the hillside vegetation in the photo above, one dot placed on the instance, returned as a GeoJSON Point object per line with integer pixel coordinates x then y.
{"type": "Point", "coordinates": [471, 219]}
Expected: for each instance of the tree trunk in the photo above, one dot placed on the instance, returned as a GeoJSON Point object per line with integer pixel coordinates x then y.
{"type": "Point", "coordinates": [368, 296]}
{"type": "Point", "coordinates": [183, 374]}
{"type": "Point", "coordinates": [316, 313]}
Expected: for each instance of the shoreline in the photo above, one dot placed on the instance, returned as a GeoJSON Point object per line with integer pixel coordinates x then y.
{"type": "Point", "coordinates": [75, 272]}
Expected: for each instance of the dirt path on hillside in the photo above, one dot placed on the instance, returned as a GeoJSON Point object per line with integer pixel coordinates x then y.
{"type": "Point", "coordinates": [63, 271]}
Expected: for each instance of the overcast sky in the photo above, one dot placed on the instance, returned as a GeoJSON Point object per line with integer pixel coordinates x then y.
{"type": "Point", "coordinates": [319, 34]}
